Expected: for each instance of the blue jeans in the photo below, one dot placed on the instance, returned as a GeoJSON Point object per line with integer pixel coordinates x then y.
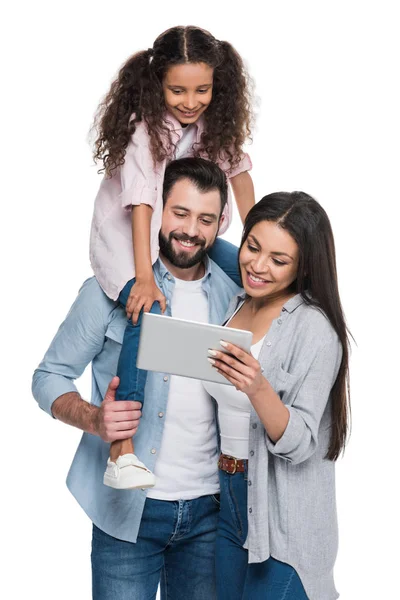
{"type": "Point", "coordinates": [236, 579]}
{"type": "Point", "coordinates": [175, 546]}
{"type": "Point", "coordinates": [132, 379]}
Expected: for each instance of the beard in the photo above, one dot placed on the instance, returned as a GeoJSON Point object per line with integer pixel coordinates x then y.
{"type": "Point", "coordinates": [182, 259]}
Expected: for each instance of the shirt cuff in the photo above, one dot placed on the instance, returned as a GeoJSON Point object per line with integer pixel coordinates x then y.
{"type": "Point", "coordinates": [136, 195]}
{"type": "Point", "coordinates": [291, 439]}
{"type": "Point", "coordinates": [244, 165]}
{"type": "Point", "coordinates": [51, 388]}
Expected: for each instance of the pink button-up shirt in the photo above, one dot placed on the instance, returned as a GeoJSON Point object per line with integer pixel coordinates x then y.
{"type": "Point", "coordinates": [137, 181]}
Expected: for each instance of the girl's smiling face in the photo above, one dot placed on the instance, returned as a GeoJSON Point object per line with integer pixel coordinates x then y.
{"type": "Point", "coordinates": [188, 90]}
{"type": "Point", "coordinates": [268, 261]}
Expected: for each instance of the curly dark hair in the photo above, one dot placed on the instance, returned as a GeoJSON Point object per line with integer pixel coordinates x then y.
{"type": "Point", "coordinates": [137, 94]}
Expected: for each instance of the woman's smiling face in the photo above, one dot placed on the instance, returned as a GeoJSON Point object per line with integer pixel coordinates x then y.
{"type": "Point", "coordinates": [268, 261]}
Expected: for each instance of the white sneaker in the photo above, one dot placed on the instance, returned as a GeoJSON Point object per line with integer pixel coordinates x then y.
{"type": "Point", "coordinates": [128, 473]}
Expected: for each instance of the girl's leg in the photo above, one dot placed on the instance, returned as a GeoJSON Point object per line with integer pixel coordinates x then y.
{"type": "Point", "coordinates": [274, 580]}
{"type": "Point", "coordinates": [225, 255]}
{"type": "Point", "coordinates": [231, 558]}
{"type": "Point", "coordinates": [132, 381]}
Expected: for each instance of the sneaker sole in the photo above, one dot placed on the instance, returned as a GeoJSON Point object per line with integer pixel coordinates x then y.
{"type": "Point", "coordinates": [121, 483]}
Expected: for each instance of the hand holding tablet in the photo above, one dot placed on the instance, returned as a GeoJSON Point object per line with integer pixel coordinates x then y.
{"type": "Point", "coordinates": [179, 347]}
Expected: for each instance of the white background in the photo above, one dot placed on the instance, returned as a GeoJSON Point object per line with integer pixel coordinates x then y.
{"type": "Point", "coordinates": [328, 124]}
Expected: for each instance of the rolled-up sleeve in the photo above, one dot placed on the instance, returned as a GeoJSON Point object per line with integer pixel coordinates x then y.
{"type": "Point", "coordinates": [243, 165]}
{"type": "Point", "coordinates": [306, 404]}
{"type": "Point", "coordinates": [79, 339]}
{"type": "Point", "coordinates": [138, 173]}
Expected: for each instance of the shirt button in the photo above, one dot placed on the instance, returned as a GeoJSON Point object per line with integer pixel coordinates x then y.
{"type": "Point", "coordinates": [279, 321]}
{"type": "Point", "coordinates": [153, 450]}
{"type": "Point", "coordinates": [165, 378]}
{"type": "Point", "coordinates": [250, 510]}
{"type": "Point", "coordinates": [268, 343]}
{"type": "Point", "coordinates": [249, 483]}
{"type": "Point", "coordinates": [254, 425]}
{"type": "Point", "coordinates": [161, 414]}
{"type": "Point", "coordinates": [169, 277]}
{"type": "Point", "coordinates": [251, 452]}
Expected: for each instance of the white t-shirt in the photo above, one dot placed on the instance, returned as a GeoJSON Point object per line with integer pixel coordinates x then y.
{"type": "Point", "coordinates": [186, 467]}
{"type": "Point", "coordinates": [185, 144]}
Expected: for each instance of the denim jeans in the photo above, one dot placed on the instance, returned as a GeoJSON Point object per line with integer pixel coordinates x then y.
{"type": "Point", "coordinates": [175, 547]}
{"type": "Point", "coordinates": [236, 579]}
{"type": "Point", "coordinates": [132, 379]}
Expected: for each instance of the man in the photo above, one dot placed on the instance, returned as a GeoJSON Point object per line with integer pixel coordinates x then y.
{"type": "Point", "coordinates": [170, 529]}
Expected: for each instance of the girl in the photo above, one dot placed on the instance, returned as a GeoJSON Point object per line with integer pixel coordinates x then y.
{"type": "Point", "coordinates": [186, 96]}
{"type": "Point", "coordinates": [284, 421]}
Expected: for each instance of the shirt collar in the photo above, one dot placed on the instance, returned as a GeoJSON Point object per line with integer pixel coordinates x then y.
{"type": "Point", "coordinates": [289, 306]}
{"type": "Point", "coordinates": [174, 125]}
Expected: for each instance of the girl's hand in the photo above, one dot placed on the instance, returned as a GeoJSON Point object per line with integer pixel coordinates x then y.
{"type": "Point", "coordinates": [142, 295]}
{"type": "Point", "coordinates": [239, 367]}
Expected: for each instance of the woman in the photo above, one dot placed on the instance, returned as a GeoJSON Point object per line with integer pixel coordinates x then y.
{"type": "Point", "coordinates": [284, 421]}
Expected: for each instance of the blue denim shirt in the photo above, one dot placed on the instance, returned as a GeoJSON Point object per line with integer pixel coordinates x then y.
{"type": "Point", "coordinates": [93, 332]}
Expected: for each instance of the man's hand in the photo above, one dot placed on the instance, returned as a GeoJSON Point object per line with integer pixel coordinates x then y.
{"type": "Point", "coordinates": [142, 295]}
{"type": "Point", "coordinates": [116, 420]}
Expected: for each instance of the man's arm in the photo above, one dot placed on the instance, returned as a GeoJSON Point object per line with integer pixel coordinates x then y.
{"type": "Point", "coordinates": [70, 408]}
{"type": "Point", "coordinates": [112, 421]}
{"type": "Point", "coordinates": [80, 338]}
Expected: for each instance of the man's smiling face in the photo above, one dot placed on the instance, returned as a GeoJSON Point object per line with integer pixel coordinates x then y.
{"type": "Point", "coordinates": [190, 224]}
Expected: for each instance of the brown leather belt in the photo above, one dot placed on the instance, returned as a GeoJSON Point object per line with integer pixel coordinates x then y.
{"type": "Point", "coordinates": [231, 465]}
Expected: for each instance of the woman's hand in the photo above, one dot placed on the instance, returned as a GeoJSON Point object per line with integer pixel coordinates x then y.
{"type": "Point", "coordinates": [142, 295]}
{"type": "Point", "coordinates": [239, 367]}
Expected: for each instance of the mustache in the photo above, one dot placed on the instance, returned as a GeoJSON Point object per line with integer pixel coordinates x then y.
{"type": "Point", "coordinates": [182, 237]}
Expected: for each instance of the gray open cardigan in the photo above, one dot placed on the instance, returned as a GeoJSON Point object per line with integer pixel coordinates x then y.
{"type": "Point", "coordinates": [291, 499]}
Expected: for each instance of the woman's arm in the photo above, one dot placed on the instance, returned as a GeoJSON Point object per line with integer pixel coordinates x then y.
{"type": "Point", "coordinates": [245, 373]}
{"type": "Point", "coordinates": [291, 424]}
{"type": "Point", "coordinates": [243, 190]}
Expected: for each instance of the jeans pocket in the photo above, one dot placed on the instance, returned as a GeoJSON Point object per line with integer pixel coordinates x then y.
{"type": "Point", "coordinates": [235, 503]}
{"type": "Point", "coordinates": [216, 499]}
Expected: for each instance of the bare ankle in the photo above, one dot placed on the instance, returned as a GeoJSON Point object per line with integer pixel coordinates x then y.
{"type": "Point", "coordinates": [120, 447]}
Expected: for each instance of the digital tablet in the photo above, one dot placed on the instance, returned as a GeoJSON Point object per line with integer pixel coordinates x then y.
{"type": "Point", "coordinates": [180, 347]}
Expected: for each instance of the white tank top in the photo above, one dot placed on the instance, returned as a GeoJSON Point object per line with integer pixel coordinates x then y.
{"type": "Point", "coordinates": [233, 412]}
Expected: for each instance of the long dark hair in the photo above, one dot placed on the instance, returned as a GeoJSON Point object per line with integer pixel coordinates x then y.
{"type": "Point", "coordinates": [138, 90]}
{"type": "Point", "coordinates": [308, 224]}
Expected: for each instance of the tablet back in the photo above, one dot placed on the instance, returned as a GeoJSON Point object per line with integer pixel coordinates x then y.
{"type": "Point", "coordinates": [179, 347]}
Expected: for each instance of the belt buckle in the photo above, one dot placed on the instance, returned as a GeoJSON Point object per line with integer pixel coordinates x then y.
{"type": "Point", "coordinates": [234, 467]}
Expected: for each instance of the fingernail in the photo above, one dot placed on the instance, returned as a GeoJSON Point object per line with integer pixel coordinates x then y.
{"type": "Point", "coordinates": [224, 344]}
{"type": "Point", "coordinates": [211, 360]}
{"type": "Point", "coordinates": [212, 352]}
